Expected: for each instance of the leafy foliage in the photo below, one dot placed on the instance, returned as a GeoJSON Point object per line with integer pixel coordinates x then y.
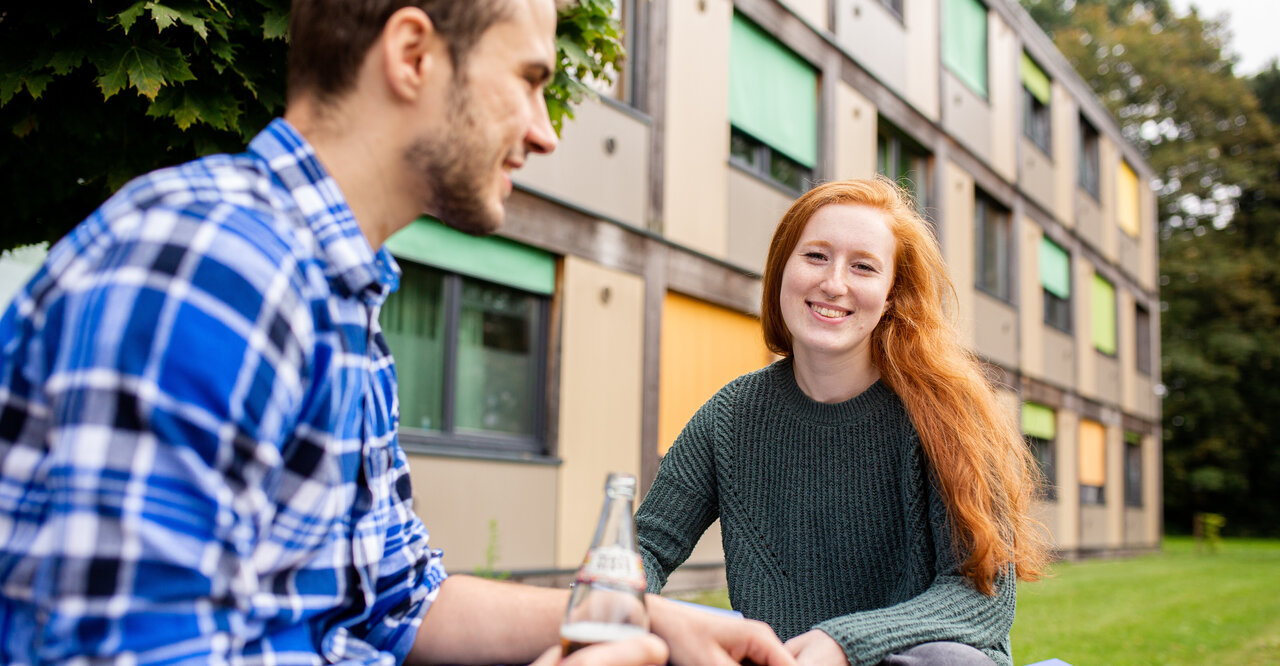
{"type": "Point", "coordinates": [93, 94]}
{"type": "Point", "coordinates": [1214, 151]}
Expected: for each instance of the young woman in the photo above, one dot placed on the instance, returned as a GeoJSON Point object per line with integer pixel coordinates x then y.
{"type": "Point", "coordinates": [873, 492]}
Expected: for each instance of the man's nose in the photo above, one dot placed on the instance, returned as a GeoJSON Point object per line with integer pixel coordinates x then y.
{"type": "Point", "coordinates": [541, 137]}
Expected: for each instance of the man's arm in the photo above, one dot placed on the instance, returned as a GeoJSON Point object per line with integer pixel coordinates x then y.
{"type": "Point", "coordinates": [479, 621]}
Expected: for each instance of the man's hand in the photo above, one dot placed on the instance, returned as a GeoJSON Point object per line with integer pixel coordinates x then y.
{"type": "Point", "coordinates": [645, 650]}
{"type": "Point", "coordinates": [699, 638]}
{"type": "Point", "coordinates": [816, 648]}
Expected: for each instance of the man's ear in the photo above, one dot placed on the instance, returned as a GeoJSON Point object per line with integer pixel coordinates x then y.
{"type": "Point", "coordinates": [412, 52]}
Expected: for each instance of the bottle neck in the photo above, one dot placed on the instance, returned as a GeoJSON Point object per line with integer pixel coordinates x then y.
{"type": "Point", "coordinates": [616, 527]}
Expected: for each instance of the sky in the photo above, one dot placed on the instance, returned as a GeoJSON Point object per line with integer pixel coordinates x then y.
{"type": "Point", "coordinates": [1253, 24]}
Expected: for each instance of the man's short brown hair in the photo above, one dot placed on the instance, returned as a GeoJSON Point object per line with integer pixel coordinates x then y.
{"type": "Point", "coordinates": [330, 38]}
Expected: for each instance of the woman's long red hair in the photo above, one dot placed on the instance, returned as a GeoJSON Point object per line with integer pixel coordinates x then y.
{"type": "Point", "coordinates": [984, 469]}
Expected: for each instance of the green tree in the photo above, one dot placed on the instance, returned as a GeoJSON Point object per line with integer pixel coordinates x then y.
{"type": "Point", "coordinates": [93, 94]}
{"type": "Point", "coordinates": [1213, 149]}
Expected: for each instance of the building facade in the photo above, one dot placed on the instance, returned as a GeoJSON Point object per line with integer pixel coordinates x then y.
{"type": "Point", "coordinates": [624, 288]}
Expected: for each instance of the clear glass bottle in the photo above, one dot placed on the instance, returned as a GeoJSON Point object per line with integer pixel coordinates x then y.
{"type": "Point", "coordinates": [607, 603]}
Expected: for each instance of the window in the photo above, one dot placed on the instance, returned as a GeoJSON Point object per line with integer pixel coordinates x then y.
{"type": "Point", "coordinates": [1104, 315]}
{"type": "Point", "coordinates": [1088, 158]}
{"type": "Point", "coordinates": [1055, 278]}
{"type": "Point", "coordinates": [773, 107]}
{"type": "Point", "coordinates": [1093, 462]}
{"type": "Point", "coordinates": [993, 256]}
{"type": "Point", "coordinates": [1036, 93]}
{"type": "Point", "coordinates": [1127, 200]}
{"type": "Point", "coordinates": [1132, 469]}
{"type": "Point", "coordinates": [1142, 346]}
{"type": "Point", "coordinates": [1039, 424]}
{"type": "Point", "coordinates": [904, 161]}
{"type": "Point", "coordinates": [623, 87]}
{"type": "Point", "coordinates": [758, 158]}
{"type": "Point", "coordinates": [469, 348]}
{"type": "Point", "coordinates": [964, 42]}
{"type": "Point", "coordinates": [894, 7]}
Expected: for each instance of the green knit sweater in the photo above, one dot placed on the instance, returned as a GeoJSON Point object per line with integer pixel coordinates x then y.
{"type": "Point", "coordinates": [828, 517]}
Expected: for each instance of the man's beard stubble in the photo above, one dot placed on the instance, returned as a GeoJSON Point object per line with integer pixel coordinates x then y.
{"type": "Point", "coordinates": [453, 168]}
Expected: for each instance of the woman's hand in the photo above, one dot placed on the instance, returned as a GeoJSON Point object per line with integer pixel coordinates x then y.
{"type": "Point", "coordinates": [816, 648]}
{"type": "Point", "coordinates": [646, 650]}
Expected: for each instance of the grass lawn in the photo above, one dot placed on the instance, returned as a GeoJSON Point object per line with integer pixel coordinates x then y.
{"type": "Point", "coordinates": [1175, 607]}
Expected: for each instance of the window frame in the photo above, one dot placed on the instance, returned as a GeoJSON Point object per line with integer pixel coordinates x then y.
{"type": "Point", "coordinates": [1142, 339]}
{"type": "Point", "coordinates": [1089, 159]}
{"type": "Point", "coordinates": [1049, 469]}
{"type": "Point", "coordinates": [948, 53]}
{"type": "Point", "coordinates": [1057, 310]}
{"type": "Point", "coordinates": [1114, 316]}
{"type": "Point", "coordinates": [1037, 122]}
{"type": "Point", "coordinates": [1132, 462]}
{"type": "Point", "coordinates": [891, 148]}
{"type": "Point", "coordinates": [984, 209]}
{"type": "Point", "coordinates": [762, 162]}
{"type": "Point", "coordinates": [447, 439]}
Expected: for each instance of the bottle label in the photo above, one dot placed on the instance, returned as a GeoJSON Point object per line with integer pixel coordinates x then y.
{"type": "Point", "coordinates": [614, 566]}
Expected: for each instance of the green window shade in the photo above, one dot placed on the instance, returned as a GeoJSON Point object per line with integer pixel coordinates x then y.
{"type": "Point", "coordinates": [1038, 421]}
{"type": "Point", "coordinates": [494, 259]}
{"type": "Point", "coordinates": [413, 322]}
{"type": "Point", "coordinates": [964, 42]}
{"type": "Point", "coordinates": [1104, 315]}
{"type": "Point", "coordinates": [1035, 79]}
{"type": "Point", "coordinates": [496, 360]}
{"type": "Point", "coordinates": [773, 93]}
{"type": "Point", "coordinates": [1055, 269]}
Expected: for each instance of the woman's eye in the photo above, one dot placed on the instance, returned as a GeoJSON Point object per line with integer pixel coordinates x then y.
{"type": "Point", "coordinates": [815, 255]}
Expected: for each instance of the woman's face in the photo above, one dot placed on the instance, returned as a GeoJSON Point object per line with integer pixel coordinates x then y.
{"type": "Point", "coordinates": [836, 282]}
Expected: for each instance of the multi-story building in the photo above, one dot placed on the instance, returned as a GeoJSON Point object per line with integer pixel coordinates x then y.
{"type": "Point", "coordinates": [623, 290]}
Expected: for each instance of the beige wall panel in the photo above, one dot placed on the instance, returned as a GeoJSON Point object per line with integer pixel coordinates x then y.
{"type": "Point", "coordinates": [1107, 378]}
{"type": "Point", "coordinates": [1037, 173]}
{"type": "Point", "coordinates": [1147, 268]}
{"type": "Point", "coordinates": [1065, 128]}
{"type": "Point", "coordinates": [1135, 527]}
{"type": "Point", "coordinates": [876, 39]}
{"type": "Point", "coordinates": [1049, 515]}
{"type": "Point", "coordinates": [1144, 397]}
{"type": "Point", "coordinates": [1126, 349]}
{"type": "Point", "coordinates": [754, 210]}
{"type": "Point", "coordinates": [966, 116]}
{"type": "Point", "coordinates": [1082, 324]}
{"type": "Point", "coordinates": [1031, 299]}
{"type": "Point", "coordinates": [957, 194]}
{"type": "Point", "coordinates": [1005, 87]}
{"type": "Point", "coordinates": [1059, 354]}
{"type": "Point", "coordinates": [457, 499]}
{"type": "Point", "coordinates": [922, 56]}
{"type": "Point", "coordinates": [855, 140]}
{"type": "Point", "coordinates": [814, 12]}
{"type": "Point", "coordinates": [1088, 217]}
{"type": "Point", "coordinates": [600, 387]}
{"type": "Point", "coordinates": [1068, 480]}
{"type": "Point", "coordinates": [1108, 172]}
{"type": "Point", "coordinates": [695, 169]}
{"type": "Point", "coordinates": [1128, 251]}
{"type": "Point", "coordinates": [1152, 490]}
{"type": "Point", "coordinates": [583, 171]}
{"type": "Point", "coordinates": [710, 548]}
{"type": "Point", "coordinates": [995, 330]}
{"type": "Point", "coordinates": [1114, 491]}
{"type": "Point", "coordinates": [1093, 527]}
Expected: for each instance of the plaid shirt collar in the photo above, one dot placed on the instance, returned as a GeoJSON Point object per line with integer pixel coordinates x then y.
{"type": "Point", "coordinates": [350, 261]}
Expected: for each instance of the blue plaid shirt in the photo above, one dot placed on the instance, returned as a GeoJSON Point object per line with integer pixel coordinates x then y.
{"type": "Point", "coordinates": [198, 455]}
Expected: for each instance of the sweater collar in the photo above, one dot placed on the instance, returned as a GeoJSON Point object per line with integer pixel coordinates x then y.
{"type": "Point", "coordinates": [784, 380]}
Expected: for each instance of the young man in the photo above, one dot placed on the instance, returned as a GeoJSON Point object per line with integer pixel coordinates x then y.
{"type": "Point", "coordinates": [198, 459]}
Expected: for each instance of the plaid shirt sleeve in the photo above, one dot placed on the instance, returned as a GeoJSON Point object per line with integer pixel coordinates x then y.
{"type": "Point", "coordinates": [160, 499]}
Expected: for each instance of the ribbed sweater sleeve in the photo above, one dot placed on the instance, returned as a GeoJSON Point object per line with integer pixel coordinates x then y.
{"type": "Point", "coordinates": [681, 503]}
{"type": "Point", "coordinates": [950, 609]}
